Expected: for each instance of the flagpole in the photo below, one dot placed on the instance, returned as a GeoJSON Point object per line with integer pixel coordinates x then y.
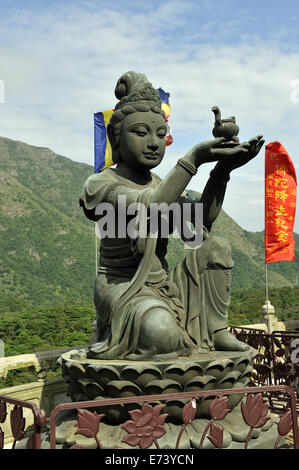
{"type": "Point", "coordinates": [267, 299]}
{"type": "Point", "coordinates": [96, 250]}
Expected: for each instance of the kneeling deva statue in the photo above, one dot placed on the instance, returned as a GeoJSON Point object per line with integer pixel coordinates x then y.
{"type": "Point", "coordinates": [143, 310]}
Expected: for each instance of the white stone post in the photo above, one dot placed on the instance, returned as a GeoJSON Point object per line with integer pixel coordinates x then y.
{"type": "Point", "coordinates": [269, 317]}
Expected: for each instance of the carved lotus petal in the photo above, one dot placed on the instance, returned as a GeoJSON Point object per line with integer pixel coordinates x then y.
{"type": "Point", "coordinates": [286, 340]}
{"type": "Point", "coordinates": [216, 435]}
{"type": "Point", "coordinates": [88, 423]}
{"type": "Point", "coordinates": [280, 352]}
{"type": "Point", "coordinates": [141, 375]}
{"type": "Point", "coordinates": [174, 372]}
{"type": "Point", "coordinates": [136, 414]}
{"type": "Point", "coordinates": [282, 371]}
{"type": "Point", "coordinates": [162, 386]}
{"type": "Point", "coordinates": [242, 363]}
{"type": "Point", "coordinates": [255, 411]}
{"type": "Point", "coordinates": [146, 426]}
{"type": "Point", "coordinates": [144, 420]}
{"type": "Point", "coordinates": [219, 408]}
{"type": "Point", "coordinates": [122, 388]}
{"type": "Point", "coordinates": [90, 388]}
{"type": "Point", "coordinates": [42, 417]}
{"type": "Point", "coordinates": [205, 382]}
{"type": "Point", "coordinates": [132, 440]}
{"type": "Point", "coordinates": [3, 412]}
{"type": "Point", "coordinates": [216, 368]}
{"type": "Point", "coordinates": [17, 423]}
{"type": "Point", "coordinates": [285, 423]}
{"type": "Point", "coordinates": [159, 431]}
{"type": "Point", "coordinates": [129, 426]}
{"type": "Point", "coordinates": [189, 411]}
{"type": "Point", "coordinates": [277, 342]}
{"type": "Point", "coordinates": [262, 369]}
{"type": "Point", "coordinates": [247, 372]}
{"type": "Point", "coordinates": [102, 374]}
{"type": "Point", "coordinates": [76, 371]}
{"type": "Point", "coordinates": [229, 379]}
{"type": "Point", "coordinates": [192, 372]}
{"type": "Point", "coordinates": [182, 373]}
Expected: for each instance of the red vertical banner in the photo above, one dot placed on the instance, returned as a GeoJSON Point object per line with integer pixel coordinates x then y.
{"type": "Point", "coordinates": [280, 204]}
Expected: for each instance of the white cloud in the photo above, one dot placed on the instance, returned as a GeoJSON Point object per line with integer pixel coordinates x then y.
{"type": "Point", "coordinates": [256, 202]}
{"type": "Point", "coordinates": [60, 65]}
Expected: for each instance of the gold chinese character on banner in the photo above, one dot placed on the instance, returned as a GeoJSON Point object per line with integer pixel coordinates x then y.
{"type": "Point", "coordinates": [281, 182]}
{"type": "Point", "coordinates": [281, 195]}
{"type": "Point", "coordinates": [282, 236]}
{"type": "Point", "coordinates": [269, 192]}
{"type": "Point", "coordinates": [281, 211]}
{"type": "Point", "coordinates": [280, 223]}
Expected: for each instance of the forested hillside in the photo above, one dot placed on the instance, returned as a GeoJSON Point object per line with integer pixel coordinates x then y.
{"type": "Point", "coordinates": [47, 257]}
{"type": "Point", "coordinates": [47, 244]}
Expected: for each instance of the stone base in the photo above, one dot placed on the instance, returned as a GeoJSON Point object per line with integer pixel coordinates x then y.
{"type": "Point", "coordinates": [93, 379]}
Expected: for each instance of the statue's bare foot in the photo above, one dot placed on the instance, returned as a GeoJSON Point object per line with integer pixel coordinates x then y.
{"type": "Point", "coordinates": [225, 341]}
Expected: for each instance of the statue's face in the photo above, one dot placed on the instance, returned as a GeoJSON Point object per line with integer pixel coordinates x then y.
{"type": "Point", "coordinates": [142, 140]}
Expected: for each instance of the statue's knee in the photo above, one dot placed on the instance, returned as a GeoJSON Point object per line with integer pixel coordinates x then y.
{"type": "Point", "coordinates": [159, 331]}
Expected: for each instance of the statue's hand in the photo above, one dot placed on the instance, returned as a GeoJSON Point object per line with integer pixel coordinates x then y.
{"type": "Point", "coordinates": [218, 150]}
{"type": "Point", "coordinates": [239, 158]}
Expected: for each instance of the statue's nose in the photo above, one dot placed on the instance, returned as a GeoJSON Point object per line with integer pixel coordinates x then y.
{"type": "Point", "coordinates": [153, 143]}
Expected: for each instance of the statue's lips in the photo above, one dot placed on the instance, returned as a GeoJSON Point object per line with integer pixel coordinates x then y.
{"type": "Point", "coordinates": [151, 156]}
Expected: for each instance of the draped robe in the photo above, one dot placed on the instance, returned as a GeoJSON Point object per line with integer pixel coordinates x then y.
{"type": "Point", "coordinates": [133, 279]}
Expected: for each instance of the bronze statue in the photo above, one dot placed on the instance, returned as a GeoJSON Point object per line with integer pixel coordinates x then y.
{"type": "Point", "coordinates": [144, 311]}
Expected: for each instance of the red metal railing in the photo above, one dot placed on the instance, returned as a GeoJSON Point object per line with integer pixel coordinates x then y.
{"type": "Point", "coordinates": [18, 422]}
{"type": "Point", "coordinates": [274, 363]}
{"type": "Point", "coordinates": [147, 423]}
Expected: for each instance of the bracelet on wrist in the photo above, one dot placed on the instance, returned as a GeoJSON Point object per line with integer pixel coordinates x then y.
{"type": "Point", "coordinates": [187, 166]}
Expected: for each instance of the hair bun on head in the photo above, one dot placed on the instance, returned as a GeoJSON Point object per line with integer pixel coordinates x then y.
{"type": "Point", "coordinates": [127, 81]}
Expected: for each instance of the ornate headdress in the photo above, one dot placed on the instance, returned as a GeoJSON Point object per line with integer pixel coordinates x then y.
{"type": "Point", "coordinates": [134, 90]}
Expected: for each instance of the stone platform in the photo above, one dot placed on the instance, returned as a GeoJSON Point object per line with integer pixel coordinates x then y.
{"type": "Point", "coordinates": [93, 379]}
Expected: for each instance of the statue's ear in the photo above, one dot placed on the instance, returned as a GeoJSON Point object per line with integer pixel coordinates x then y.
{"type": "Point", "coordinates": [112, 137]}
{"type": "Point", "coordinates": [114, 142]}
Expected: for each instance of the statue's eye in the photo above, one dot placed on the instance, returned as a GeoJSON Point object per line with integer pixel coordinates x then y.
{"type": "Point", "coordinates": [141, 131]}
{"type": "Point", "coordinates": [161, 134]}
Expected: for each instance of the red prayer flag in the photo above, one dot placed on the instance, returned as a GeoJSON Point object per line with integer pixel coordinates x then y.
{"type": "Point", "coordinates": [280, 204]}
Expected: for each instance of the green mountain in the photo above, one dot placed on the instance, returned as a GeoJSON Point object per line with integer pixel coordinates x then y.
{"type": "Point", "coordinates": [47, 248]}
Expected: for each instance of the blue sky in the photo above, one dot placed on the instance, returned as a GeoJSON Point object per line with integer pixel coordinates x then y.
{"type": "Point", "coordinates": [60, 61]}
